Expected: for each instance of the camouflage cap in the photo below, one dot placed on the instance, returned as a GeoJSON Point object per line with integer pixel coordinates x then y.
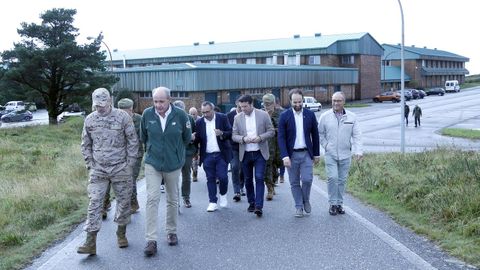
{"type": "Point", "coordinates": [100, 97]}
{"type": "Point", "coordinates": [125, 103]}
{"type": "Point", "coordinates": [268, 98]}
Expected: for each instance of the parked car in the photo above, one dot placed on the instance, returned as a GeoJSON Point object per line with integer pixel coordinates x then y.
{"type": "Point", "coordinates": [436, 91]}
{"type": "Point", "coordinates": [16, 116]}
{"type": "Point", "coordinates": [312, 104]}
{"type": "Point", "coordinates": [64, 115]}
{"type": "Point", "coordinates": [15, 105]}
{"type": "Point", "coordinates": [422, 93]}
{"type": "Point", "coordinates": [408, 94]}
{"type": "Point", "coordinates": [31, 106]}
{"type": "Point", "coordinates": [387, 96]}
{"type": "Point", "coordinates": [2, 113]}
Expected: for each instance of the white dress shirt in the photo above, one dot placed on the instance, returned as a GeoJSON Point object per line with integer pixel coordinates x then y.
{"type": "Point", "coordinates": [300, 135]}
{"type": "Point", "coordinates": [163, 120]}
{"type": "Point", "coordinates": [212, 143]}
{"type": "Point", "coordinates": [251, 127]}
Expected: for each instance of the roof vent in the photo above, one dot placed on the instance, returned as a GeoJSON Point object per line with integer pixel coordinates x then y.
{"type": "Point", "coordinates": [296, 36]}
{"type": "Point", "coordinates": [413, 46]}
{"type": "Point", "coordinates": [435, 48]}
{"type": "Point", "coordinates": [399, 44]}
{"type": "Point", "coordinates": [318, 34]}
{"type": "Point", "coordinates": [196, 43]}
{"type": "Point", "coordinates": [424, 47]}
{"type": "Point", "coordinates": [211, 42]}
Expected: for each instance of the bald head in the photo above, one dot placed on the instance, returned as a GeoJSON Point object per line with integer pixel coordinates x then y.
{"type": "Point", "coordinates": [161, 100]}
{"type": "Point", "coordinates": [338, 101]}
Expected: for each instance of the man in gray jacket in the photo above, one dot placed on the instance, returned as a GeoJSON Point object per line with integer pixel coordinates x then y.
{"type": "Point", "coordinates": [340, 135]}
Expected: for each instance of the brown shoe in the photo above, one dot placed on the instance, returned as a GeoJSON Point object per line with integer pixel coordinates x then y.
{"type": "Point", "coordinates": [90, 245]}
{"type": "Point", "coordinates": [172, 239]}
{"type": "Point", "coordinates": [150, 249]}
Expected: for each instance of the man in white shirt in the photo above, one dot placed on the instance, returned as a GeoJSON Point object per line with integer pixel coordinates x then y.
{"type": "Point", "coordinates": [251, 129]}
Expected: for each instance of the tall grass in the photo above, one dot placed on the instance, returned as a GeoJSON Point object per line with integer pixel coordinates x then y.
{"type": "Point", "coordinates": [436, 193]}
{"type": "Point", "coordinates": [42, 189]}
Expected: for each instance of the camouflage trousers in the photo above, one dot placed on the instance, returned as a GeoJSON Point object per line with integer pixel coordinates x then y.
{"type": "Point", "coordinates": [271, 173]}
{"type": "Point", "coordinates": [136, 171]}
{"type": "Point", "coordinates": [97, 188]}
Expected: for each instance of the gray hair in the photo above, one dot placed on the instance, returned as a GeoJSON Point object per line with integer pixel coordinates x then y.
{"type": "Point", "coordinates": [208, 103]}
{"type": "Point", "coordinates": [180, 104]}
{"type": "Point", "coordinates": [340, 93]}
{"type": "Point", "coordinates": [161, 88]}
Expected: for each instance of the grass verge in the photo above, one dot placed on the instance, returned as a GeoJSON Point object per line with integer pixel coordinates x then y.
{"type": "Point", "coordinates": [436, 193]}
{"type": "Point", "coordinates": [461, 133]}
{"type": "Point", "coordinates": [42, 189]}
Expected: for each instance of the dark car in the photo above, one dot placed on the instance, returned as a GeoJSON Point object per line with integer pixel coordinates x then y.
{"type": "Point", "coordinates": [408, 94]}
{"type": "Point", "coordinates": [16, 116]}
{"type": "Point", "coordinates": [436, 91]}
{"type": "Point", "coordinates": [422, 93]}
{"type": "Point", "coordinates": [3, 112]}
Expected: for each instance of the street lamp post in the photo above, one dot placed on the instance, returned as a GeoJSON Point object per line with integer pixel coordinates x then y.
{"type": "Point", "coordinates": [109, 52]}
{"type": "Point", "coordinates": [402, 79]}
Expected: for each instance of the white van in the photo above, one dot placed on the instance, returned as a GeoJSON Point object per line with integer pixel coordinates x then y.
{"type": "Point", "coordinates": [452, 86]}
{"type": "Point", "coordinates": [15, 105]}
{"type": "Point", "coordinates": [312, 104]}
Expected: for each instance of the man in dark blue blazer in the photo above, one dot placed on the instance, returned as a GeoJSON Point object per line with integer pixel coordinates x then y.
{"type": "Point", "coordinates": [238, 181]}
{"type": "Point", "coordinates": [299, 144]}
{"type": "Point", "coordinates": [213, 133]}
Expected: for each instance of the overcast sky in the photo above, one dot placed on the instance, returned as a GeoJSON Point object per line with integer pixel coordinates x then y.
{"type": "Point", "coordinates": [140, 24]}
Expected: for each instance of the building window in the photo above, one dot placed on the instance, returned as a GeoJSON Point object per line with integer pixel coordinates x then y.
{"type": "Point", "coordinates": [213, 62]}
{"type": "Point", "coordinates": [232, 61]}
{"type": "Point", "coordinates": [292, 60]}
{"type": "Point", "coordinates": [269, 60]}
{"type": "Point", "coordinates": [348, 59]}
{"type": "Point", "coordinates": [251, 61]}
{"type": "Point", "coordinates": [145, 94]}
{"type": "Point", "coordinates": [314, 60]}
{"type": "Point", "coordinates": [179, 94]}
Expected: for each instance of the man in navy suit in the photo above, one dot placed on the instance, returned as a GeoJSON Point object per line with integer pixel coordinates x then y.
{"type": "Point", "coordinates": [238, 181]}
{"type": "Point", "coordinates": [213, 133]}
{"type": "Point", "coordinates": [298, 140]}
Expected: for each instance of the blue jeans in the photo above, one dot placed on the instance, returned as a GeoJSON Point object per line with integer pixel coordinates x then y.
{"type": "Point", "coordinates": [215, 167]}
{"type": "Point", "coordinates": [300, 175]}
{"type": "Point", "coordinates": [254, 161]}
{"type": "Point", "coordinates": [337, 173]}
{"type": "Point", "coordinates": [237, 174]}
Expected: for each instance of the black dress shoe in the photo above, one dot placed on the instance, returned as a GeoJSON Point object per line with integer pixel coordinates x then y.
{"type": "Point", "coordinates": [151, 248]}
{"type": "Point", "coordinates": [333, 210]}
{"type": "Point", "coordinates": [237, 197]}
{"type": "Point", "coordinates": [258, 212]}
{"type": "Point", "coordinates": [340, 210]}
{"type": "Point", "coordinates": [172, 239]}
{"type": "Point", "coordinates": [251, 207]}
{"type": "Point", "coordinates": [187, 203]}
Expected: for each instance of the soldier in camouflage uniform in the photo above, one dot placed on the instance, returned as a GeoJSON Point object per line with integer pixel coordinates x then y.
{"type": "Point", "coordinates": [110, 148]}
{"type": "Point", "coordinates": [195, 160]}
{"type": "Point", "coordinates": [126, 104]}
{"type": "Point", "coordinates": [274, 162]}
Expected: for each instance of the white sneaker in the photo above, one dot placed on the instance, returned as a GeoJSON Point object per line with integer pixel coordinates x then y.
{"type": "Point", "coordinates": [223, 200]}
{"type": "Point", "coordinates": [212, 207]}
{"type": "Point", "coordinates": [162, 188]}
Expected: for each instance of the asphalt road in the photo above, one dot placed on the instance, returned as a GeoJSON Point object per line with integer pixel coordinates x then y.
{"type": "Point", "coordinates": [232, 238]}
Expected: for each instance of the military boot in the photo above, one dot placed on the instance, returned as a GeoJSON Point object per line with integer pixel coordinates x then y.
{"type": "Point", "coordinates": [121, 238]}
{"type": "Point", "coordinates": [270, 193]}
{"type": "Point", "coordinates": [90, 245]}
{"type": "Point", "coordinates": [134, 204]}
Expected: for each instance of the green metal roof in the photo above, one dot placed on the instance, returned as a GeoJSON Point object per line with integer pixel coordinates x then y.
{"type": "Point", "coordinates": [270, 45]}
{"type": "Point", "coordinates": [412, 52]}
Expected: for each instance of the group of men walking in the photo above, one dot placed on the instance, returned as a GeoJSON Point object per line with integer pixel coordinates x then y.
{"type": "Point", "coordinates": [256, 143]}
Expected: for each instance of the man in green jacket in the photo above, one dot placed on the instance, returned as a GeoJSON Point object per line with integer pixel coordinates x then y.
{"type": "Point", "coordinates": [165, 131]}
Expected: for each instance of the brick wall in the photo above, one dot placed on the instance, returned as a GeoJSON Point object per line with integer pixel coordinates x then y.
{"type": "Point", "coordinates": [369, 77]}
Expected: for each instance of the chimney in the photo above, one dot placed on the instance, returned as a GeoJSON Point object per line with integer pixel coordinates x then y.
{"type": "Point", "coordinates": [413, 46]}
{"type": "Point", "coordinates": [196, 44]}
{"type": "Point", "coordinates": [318, 34]}
{"type": "Point", "coordinates": [296, 36]}
{"type": "Point", "coordinates": [211, 42]}
{"type": "Point", "coordinates": [424, 47]}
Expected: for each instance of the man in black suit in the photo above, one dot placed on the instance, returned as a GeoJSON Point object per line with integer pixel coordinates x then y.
{"type": "Point", "coordinates": [237, 174]}
{"type": "Point", "coordinates": [213, 133]}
